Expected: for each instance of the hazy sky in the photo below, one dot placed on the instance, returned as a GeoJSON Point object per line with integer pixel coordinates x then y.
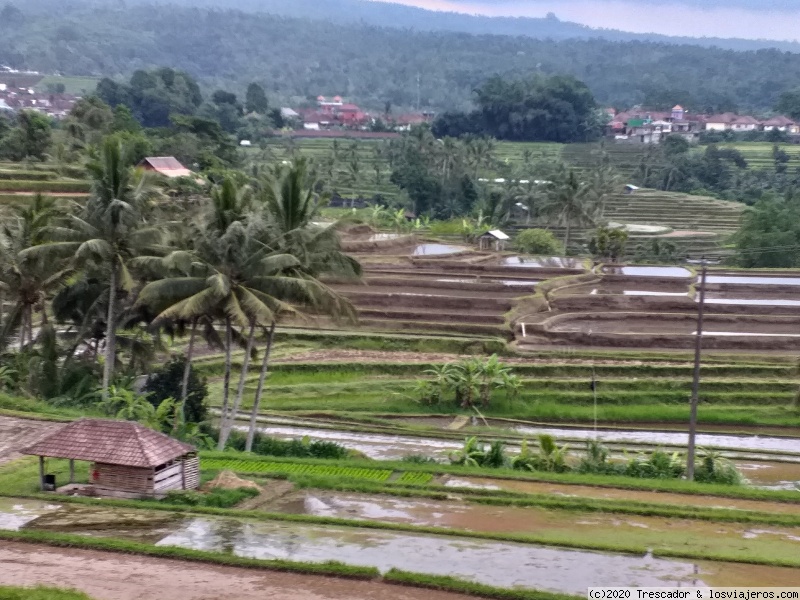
{"type": "Point", "coordinates": [773, 19]}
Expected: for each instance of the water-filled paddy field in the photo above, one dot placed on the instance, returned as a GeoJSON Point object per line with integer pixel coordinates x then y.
{"type": "Point", "coordinates": [546, 568]}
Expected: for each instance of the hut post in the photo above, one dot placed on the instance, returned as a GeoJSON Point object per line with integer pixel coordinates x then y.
{"type": "Point", "coordinates": [41, 472]}
{"type": "Point", "coordinates": [72, 470]}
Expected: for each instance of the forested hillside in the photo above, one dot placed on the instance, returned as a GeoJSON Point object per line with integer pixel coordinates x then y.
{"type": "Point", "coordinates": [388, 14]}
{"type": "Point", "coordinates": [296, 59]}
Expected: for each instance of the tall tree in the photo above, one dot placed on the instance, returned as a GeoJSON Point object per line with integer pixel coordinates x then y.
{"type": "Point", "coordinates": [110, 233]}
{"type": "Point", "coordinates": [568, 205]}
{"type": "Point", "coordinates": [256, 99]}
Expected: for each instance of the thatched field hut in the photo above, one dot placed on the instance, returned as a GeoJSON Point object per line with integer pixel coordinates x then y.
{"type": "Point", "coordinates": [127, 458]}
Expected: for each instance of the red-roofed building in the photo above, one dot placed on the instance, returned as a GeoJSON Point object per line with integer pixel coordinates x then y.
{"type": "Point", "coordinates": [781, 123]}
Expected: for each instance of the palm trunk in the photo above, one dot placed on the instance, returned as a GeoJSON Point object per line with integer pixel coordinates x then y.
{"type": "Point", "coordinates": [30, 324]}
{"type": "Point", "coordinates": [240, 390]}
{"type": "Point", "coordinates": [187, 369]}
{"type": "Point", "coordinates": [251, 432]}
{"type": "Point", "coordinates": [566, 238]}
{"type": "Point", "coordinates": [226, 383]}
{"type": "Point", "coordinates": [111, 341]}
{"type": "Point", "coordinates": [22, 329]}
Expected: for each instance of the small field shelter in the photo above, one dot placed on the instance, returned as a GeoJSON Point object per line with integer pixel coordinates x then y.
{"type": "Point", "coordinates": [128, 459]}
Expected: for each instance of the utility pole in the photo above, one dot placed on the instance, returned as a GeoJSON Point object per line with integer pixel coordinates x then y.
{"type": "Point", "coordinates": [698, 346]}
{"type": "Point", "coordinates": [419, 92]}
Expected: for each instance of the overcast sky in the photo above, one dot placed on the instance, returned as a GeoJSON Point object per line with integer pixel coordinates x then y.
{"type": "Point", "coordinates": [773, 19]}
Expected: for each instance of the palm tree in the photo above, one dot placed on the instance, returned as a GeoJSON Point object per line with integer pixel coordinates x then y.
{"type": "Point", "coordinates": [109, 233]}
{"type": "Point", "coordinates": [26, 280]}
{"type": "Point", "coordinates": [290, 207]}
{"type": "Point", "coordinates": [567, 204]}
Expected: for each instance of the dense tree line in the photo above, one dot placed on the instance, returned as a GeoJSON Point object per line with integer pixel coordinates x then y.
{"type": "Point", "coordinates": [548, 109]}
{"type": "Point", "coordinates": [296, 59]}
{"type": "Point", "coordinates": [715, 170]}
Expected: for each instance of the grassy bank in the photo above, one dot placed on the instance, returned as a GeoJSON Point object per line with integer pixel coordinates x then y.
{"type": "Point", "coordinates": [40, 593]}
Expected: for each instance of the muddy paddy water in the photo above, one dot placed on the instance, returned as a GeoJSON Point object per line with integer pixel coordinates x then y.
{"type": "Point", "coordinates": [569, 571]}
{"type": "Point", "coordinates": [549, 526]}
{"type": "Point", "coordinates": [393, 447]}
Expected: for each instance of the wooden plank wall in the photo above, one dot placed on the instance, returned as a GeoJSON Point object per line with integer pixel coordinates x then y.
{"type": "Point", "coordinates": [169, 478]}
{"type": "Point", "coordinates": [191, 466]}
{"type": "Point", "coordinates": [129, 479]}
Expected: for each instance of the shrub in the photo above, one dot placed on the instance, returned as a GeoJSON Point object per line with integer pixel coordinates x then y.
{"type": "Point", "coordinates": [166, 383]}
{"type": "Point", "coordinates": [304, 448]}
{"type": "Point", "coordinates": [476, 454]}
{"type": "Point", "coordinates": [537, 241]}
{"type": "Point", "coordinates": [715, 469]}
{"type": "Point", "coordinates": [217, 497]}
{"type": "Point", "coordinates": [419, 459]}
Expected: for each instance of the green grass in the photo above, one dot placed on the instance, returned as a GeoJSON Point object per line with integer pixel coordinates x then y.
{"type": "Point", "coordinates": [47, 187]}
{"type": "Point", "coordinates": [40, 593]}
{"type": "Point", "coordinates": [21, 477]}
{"type": "Point", "coordinates": [260, 466]}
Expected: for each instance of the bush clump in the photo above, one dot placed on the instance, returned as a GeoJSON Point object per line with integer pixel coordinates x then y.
{"type": "Point", "coordinates": [538, 241]}
{"type": "Point", "coordinates": [216, 498]}
{"type": "Point", "coordinates": [303, 448]}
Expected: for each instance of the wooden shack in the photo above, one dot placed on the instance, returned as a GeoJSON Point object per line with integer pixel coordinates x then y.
{"type": "Point", "coordinates": [494, 238]}
{"type": "Point", "coordinates": [127, 459]}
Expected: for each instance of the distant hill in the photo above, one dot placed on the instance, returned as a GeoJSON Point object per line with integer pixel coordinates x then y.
{"type": "Point", "coordinates": [385, 14]}
{"type": "Point", "coordinates": [297, 59]}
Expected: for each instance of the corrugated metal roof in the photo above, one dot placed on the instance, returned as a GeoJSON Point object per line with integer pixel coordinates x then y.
{"type": "Point", "coordinates": [114, 442]}
{"type": "Point", "coordinates": [496, 233]}
{"type": "Point", "coordinates": [166, 165]}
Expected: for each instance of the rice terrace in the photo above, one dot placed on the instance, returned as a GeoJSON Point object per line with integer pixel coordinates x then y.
{"type": "Point", "coordinates": [514, 335]}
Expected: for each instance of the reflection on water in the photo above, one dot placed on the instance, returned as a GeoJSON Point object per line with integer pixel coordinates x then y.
{"type": "Point", "coordinates": [487, 562]}
{"type": "Point", "coordinates": [649, 271]}
{"type": "Point", "coordinates": [14, 513]}
{"type": "Point", "coordinates": [385, 447]}
{"type": "Point", "coordinates": [437, 249]}
{"type": "Point", "coordinates": [751, 301]}
{"type": "Point", "coordinates": [753, 280]}
{"type": "Point", "coordinates": [706, 440]}
{"type": "Point", "coordinates": [379, 237]}
{"type": "Point", "coordinates": [542, 262]}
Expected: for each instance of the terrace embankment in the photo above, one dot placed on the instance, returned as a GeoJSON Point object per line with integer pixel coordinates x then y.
{"type": "Point", "coordinates": [656, 307]}
{"type": "Point", "coordinates": [470, 293]}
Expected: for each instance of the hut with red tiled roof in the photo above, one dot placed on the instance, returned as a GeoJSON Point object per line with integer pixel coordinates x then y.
{"type": "Point", "coordinates": [127, 459]}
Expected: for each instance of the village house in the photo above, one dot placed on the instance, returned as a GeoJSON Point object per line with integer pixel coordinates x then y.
{"type": "Point", "coordinates": [781, 123]}
{"type": "Point", "coordinates": [334, 113]}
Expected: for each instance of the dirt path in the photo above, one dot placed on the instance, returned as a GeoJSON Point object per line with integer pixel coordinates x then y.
{"type": "Point", "coordinates": [16, 434]}
{"type": "Point", "coordinates": [110, 576]}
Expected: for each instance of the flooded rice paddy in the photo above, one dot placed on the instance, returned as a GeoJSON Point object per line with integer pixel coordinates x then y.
{"type": "Point", "coordinates": [783, 445]}
{"type": "Point", "coordinates": [542, 262]}
{"type": "Point", "coordinates": [750, 301]}
{"type": "Point", "coordinates": [484, 561]}
{"type": "Point", "coordinates": [766, 281]}
{"type": "Point", "coordinates": [649, 271]}
{"type": "Point", "coordinates": [437, 249]}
